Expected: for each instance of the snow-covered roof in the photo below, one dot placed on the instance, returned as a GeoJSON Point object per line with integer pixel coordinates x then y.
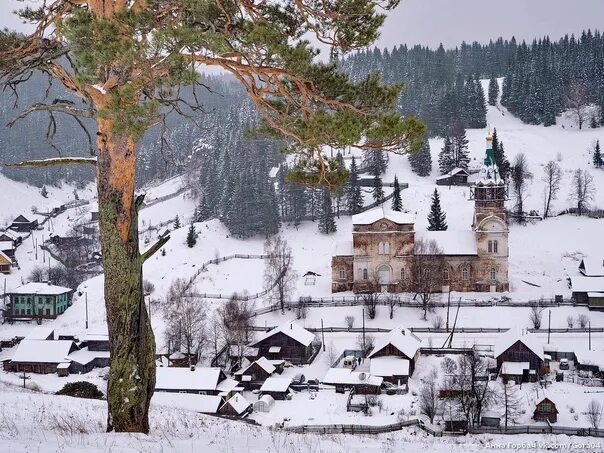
{"type": "Point", "coordinates": [43, 289]}
{"type": "Point", "coordinates": [348, 377]}
{"type": "Point", "coordinates": [207, 404]}
{"type": "Point", "coordinates": [227, 385]}
{"type": "Point", "coordinates": [292, 330]}
{"type": "Point", "coordinates": [587, 284]}
{"type": "Point", "coordinates": [238, 403]}
{"type": "Point", "coordinates": [389, 366]}
{"type": "Point", "coordinates": [507, 339]}
{"type": "Point", "coordinates": [177, 355]}
{"type": "Point", "coordinates": [453, 172]}
{"type": "Point", "coordinates": [200, 379]}
{"type": "Point", "coordinates": [379, 213]}
{"type": "Point", "coordinates": [592, 267]}
{"type": "Point", "coordinates": [344, 248]}
{"type": "Point", "coordinates": [514, 368]}
{"type": "Point", "coordinates": [96, 337]}
{"type": "Point", "coordinates": [84, 356]}
{"type": "Point", "coordinates": [43, 351]}
{"type": "Point", "coordinates": [263, 363]}
{"type": "Point", "coordinates": [595, 294]}
{"type": "Point", "coordinates": [585, 357]}
{"type": "Point", "coordinates": [276, 384]}
{"type": "Point", "coordinates": [402, 339]}
{"type": "Point", "coordinates": [451, 242]}
{"type": "Point", "coordinates": [41, 333]}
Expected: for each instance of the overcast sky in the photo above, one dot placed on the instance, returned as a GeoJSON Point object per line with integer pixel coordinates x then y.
{"type": "Point", "coordinates": [431, 22]}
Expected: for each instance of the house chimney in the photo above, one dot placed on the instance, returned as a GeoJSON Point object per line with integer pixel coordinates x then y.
{"type": "Point", "coordinates": [192, 367]}
{"type": "Point", "coordinates": [291, 326]}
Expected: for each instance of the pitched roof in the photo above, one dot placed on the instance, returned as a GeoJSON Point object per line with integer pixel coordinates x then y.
{"type": "Point", "coordinates": [592, 267]}
{"type": "Point", "coordinates": [276, 384]}
{"type": "Point", "coordinates": [21, 219]}
{"type": "Point", "coordinates": [4, 257]}
{"type": "Point", "coordinates": [37, 288]}
{"type": "Point", "coordinates": [263, 363]}
{"type": "Point", "coordinates": [389, 366]}
{"type": "Point", "coordinates": [453, 172]}
{"type": "Point", "coordinates": [507, 339]}
{"type": "Point", "coordinates": [595, 358]}
{"type": "Point", "coordinates": [451, 242]}
{"type": "Point", "coordinates": [402, 339]}
{"type": "Point", "coordinates": [379, 213]}
{"type": "Point", "coordinates": [201, 379]}
{"type": "Point", "coordinates": [587, 284]}
{"type": "Point", "coordinates": [348, 377]}
{"type": "Point", "coordinates": [292, 330]}
{"type": "Point", "coordinates": [207, 404]}
{"type": "Point", "coordinates": [84, 356]}
{"type": "Point", "coordinates": [43, 351]}
{"type": "Point", "coordinates": [41, 333]}
{"type": "Point", "coordinates": [238, 403]}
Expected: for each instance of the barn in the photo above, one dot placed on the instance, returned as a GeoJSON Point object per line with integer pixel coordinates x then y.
{"type": "Point", "coordinates": [456, 177]}
{"type": "Point", "coordinates": [288, 342]}
{"type": "Point", "coordinates": [23, 225]}
{"type": "Point", "coordinates": [236, 406]}
{"type": "Point", "coordinates": [513, 348]}
{"type": "Point", "coordinates": [40, 356]}
{"type": "Point", "coordinates": [401, 343]}
{"type": "Point", "coordinates": [204, 404]}
{"type": "Point", "coordinates": [200, 380]}
{"type": "Point", "coordinates": [256, 373]}
{"type": "Point", "coordinates": [545, 410]}
{"type": "Point", "coordinates": [345, 379]}
{"type": "Point", "coordinates": [276, 387]}
{"type": "Point", "coordinates": [588, 290]}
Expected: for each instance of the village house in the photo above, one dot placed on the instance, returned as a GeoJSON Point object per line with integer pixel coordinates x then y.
{"type": "Point", "coordinates": [85, 360]}
{"type": "Point", "coordinates": [586, 360]}
{"type": "Point", "coordinates": [236, 406]}
{"type": "Point", "coordinates": [199, 380]}
{"type": "Point", "coordinates": [254, 375]}
{"type": "Point", "coordinates": [6, 263]}
{"type": "Point", "coordinates": [386, 249]}
{"type": "Point", "coordinates": [96, 341]}
{"type": "Point", "coordinates": [203, 404]}
{"type": "Point", "coordinates": [344, 379]}
{"type": "Point", "coordinates": [38, 300]}
{"type": "Point", "coordinates": [589, 287]}
{"type": "Point", "coordinates": [288, 342]}
{"type": "Point", "coordinates": [456, 177]}
{"type": "Point", "coordinates": [545, 410]}
{"type": "Point", "coordinates": [394, 356]}
{"type": "Point", "coordinates": [276, 387]}
{"type": "Point", "coordinates": [40, 356]}
{"type": "Point", "coordinates": [23, 225]}
{"type": "Point", "coordinates": [520, 358]}
{"type": "Point", "coordinates": [9, 241]}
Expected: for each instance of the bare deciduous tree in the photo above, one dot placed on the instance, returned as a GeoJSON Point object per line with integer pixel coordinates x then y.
{"type": "Point", "coordinates": [279, 274]}
{"type": "Point", "coordinates": [449, 366]}
{"type": "Point", "coordinates": [570, 321]}
{"type": "Point", "coordinates": [583, 319]}
{"type": "Point", "coordinates": [428, 400]}
{"type": "Point", "coordinates": [437, 321]}
{"type": "Point", "coordinates": [552, 178]}
{"type": "Point", "coordinates": [583, 190]}
{"type": "Point", "coordinates": [366, 343]}
{"type": "Point", "coordinates": [512, 402]}
{"type": "Point", "coordinates": [349, 320]}
{"type": "Point", "coordinates": [594, 413]}
{"type": "Point", "coordinates": [235, 321]}
{"type": "Point", "coordinates": [427, 272]}
{"type": "Point", "coordinates": [370, 301]}
{"type": "Point", "coordinates": [520, 175]}
{"type": "Point", "coordinates": [535, 316]}
{"type": "Point", "coordinates": [577, 101]}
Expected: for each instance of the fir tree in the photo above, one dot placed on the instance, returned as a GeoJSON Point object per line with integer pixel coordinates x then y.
{"type": "Point", "coordinates": [597, 160]}
{"type": "Point", "coordinates": [327, 222]}
{"type": "Point", "coordinates": [375, 162]}
{"type": "Point", "coordinates": [378, 191]}
{"type": "Point", "coordinates": [421, 161]}
{"type": "Point", "coordinates": [191, 236]}
{"type": "Point", "coordinates": [44, 192]}
{"type": "Point", "coordinates": [493, 91]}
{"type": "Point", "coordinates": [502, 162]}
{"type": "Point", "coordinates": [446, 161]}
{"type": "Point", "coordinates": [397, 203]}
{"type": "Point", "coordinates": [437, 219]}
{"type": "Point", "coordinates": [352, 191]}
{"type": "Point", "coordinates": [176, 225]}
{"type": "Point", "coordinates": [203, 210]}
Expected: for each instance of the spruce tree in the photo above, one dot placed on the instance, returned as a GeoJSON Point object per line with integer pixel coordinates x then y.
{"type": "Point", "coordinates": [446, 161]}
{"type": "Point", "coordinates": [421, 161]}
{"type": "Point", "coordinates": [203, 210]}
{"type": "Point", "coordinates": [327, 222]}
{"type": "Point", "coordinates": [378, 190]}
{"type": "Point", "coordinates": [498, 151]}
{"type": "Point", "coordinates": [437, 219]}
{"type": "Point", "coordinates": [353, 192]}
{"type": "Point", "coordinates": [597, 160]}
{"type": "Point", "coordinates": [191, 236]}
{"type": "Point", "coordinates": [493, 91]}
{"type": "Point", "coordinates": [459, 144]}
{"type": "Point", "coordinates": [397, 203]}
{"type": "Point", "coordinates": [176, 225]}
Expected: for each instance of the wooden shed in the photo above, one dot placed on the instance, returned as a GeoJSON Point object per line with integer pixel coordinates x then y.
{"type": "Point", "coordinates": [545, 410]}
{"type": "Point", "coordinates": [400, 343]}
{"type": "Point", "coordinates": [23, 225]}
{"type": "Point", "coordinates": [288, 342]}
{"type": "Point", "coordinates": [236, 406]}
{"type": "Point", "coordinates": [456, 177]}
{"type": "Point", "coordinates": [514, 347]}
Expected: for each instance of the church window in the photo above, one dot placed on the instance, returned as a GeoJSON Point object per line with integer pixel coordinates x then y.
{"type": "Point", "coordinates": [365, 276]}
{"type": "Point", "coordinates": [384, 248]}
{"type": "Point", "coordinates": [446, 274]}
{"type": "Point", "coordinates": [493, 274]}
{"type": "Point", "coordinates": [342, 273]}
{"type": "Point", "coordinates": [495, 247]}
{"type": "Point", "coordinates": [465, 273]}
{"type": "Point", "coordinates": [402, 274]}
{"type": "Point", "coordinates": [490, 246]}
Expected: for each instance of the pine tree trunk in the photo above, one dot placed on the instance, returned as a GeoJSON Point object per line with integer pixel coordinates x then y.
{"type": "Point", "coordinates": [132, 345]}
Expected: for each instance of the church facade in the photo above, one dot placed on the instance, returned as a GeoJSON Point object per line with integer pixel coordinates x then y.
{"type": "Point", "coordinates": [387, 254]}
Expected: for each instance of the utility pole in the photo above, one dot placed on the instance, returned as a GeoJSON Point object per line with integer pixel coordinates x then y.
{"type": "Point", "coordinates": [323, 334]}
{"type": "Point", "coordinates": [589, 334]}
{"type": "Point", "coordinates": [36, 248]}
{"type": "Point", "coordinates": [364, 347]}
{"type": "Point", "coordinates": [86, 302]}
{"type": "Point", "coordinates": [549, 326]}
{"type": "Point", "coordinates": [448, 307]}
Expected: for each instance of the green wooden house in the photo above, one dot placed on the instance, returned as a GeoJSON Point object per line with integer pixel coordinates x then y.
{"type": "Point", "coordinates": [39, 300]}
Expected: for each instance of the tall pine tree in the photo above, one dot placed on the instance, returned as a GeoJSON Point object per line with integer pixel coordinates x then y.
{"type": "Point", "coordinates": [421, 161]}
{"type": "Point", "coordinates": [191, 236]}
{"type": "Point", "coordinates": [446, 161]}
{"type": "Point", "coordinates": [493, 91]}
{"type": "Point", "coordinates": [397, 202]}
{"type": "Point", "coordinates": [327, 222]}
{"type": "Point", "coordinates": [352, 191]}
{"type": "Point", "coordinates": [597, 160]}
{"type": "Point", "coordinates": [502, 162]}
{"type": "Point", "coordinates": [378, 191]}
{"type": "Point", "coordinates": [437, 219]}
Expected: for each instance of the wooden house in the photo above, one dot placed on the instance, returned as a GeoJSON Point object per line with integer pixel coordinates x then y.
{"type": "Point", "coordinates": [401, 343]}
{"type": "Point", "coordinates": [592, 267]}
{"type": "Point", "coordinates": [85, 360]}
{"type": "Point", "coordinates": [276, 387]}
{"type": "Point", "coordinates": [254, 375]}
{"type": "Point", "coordinates": [288, 342]}
{"type": "Point", "coordinates": [345, 379]}
{"type": "Point", "coordinates": [6, 263]}
{"type": "Point", "coordinates": [38, 300]}
{"type": "Point", "coordinates": [545, 410]}
{"type": "Point", "coordinates": [199, 380]}
{"type": "Point", "coordinates": [456, 177]}
{"type": "Point", "coordinates": [23, 225]}
{"type": "Point", "coordinates": [204, 404]}
{"type": "Point", "coordinates": [96, 341]}
{"type": "Point", "coordinates": [40, 356]}
{"type": "Point", "coordinates": [236, 406]}
{"type": "Point", "coordinates": [589, 360]}
{"type": "Point", "coordinates": [588, 290]}
{"type": "Point", "coordinates": [527, 349]}
{"type": "Point", "coordinates": [8, 244]}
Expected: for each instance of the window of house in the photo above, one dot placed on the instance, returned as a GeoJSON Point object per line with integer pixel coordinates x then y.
{"type": "Point", "coordinates": [342, 273]}
{"type": "Point", "coordinates": [29, 311]}
{"type": "Point", "coordinates": [383, 248]}
{"type": "Point", "coordinates": [493, 274]}
{"type": "Point", "coordinates": [465, 273]}
{"type": "Point", "coordinates": [365, 276]}
{"type": "Point", "coordinates": [48, 311]}
{"type": "Point", "coordinates": [490, 247]}
{"type": "Point", "coordinates": [495, 247]}
{"type": "Point", "coordinates": [403, 273]}
{"type": "Point", "coordinates": [446, 274]}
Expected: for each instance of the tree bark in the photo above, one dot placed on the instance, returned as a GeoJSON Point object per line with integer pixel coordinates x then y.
{"type": "Point", "coordinates": [132, 344]}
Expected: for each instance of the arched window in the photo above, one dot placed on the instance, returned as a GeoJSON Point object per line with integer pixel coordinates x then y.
{"type": "Point", "coordinates": [490, 246]}
{"type": "Point", "coordinates": [495, 247]}
{"type": "Point", "coordinates": [342, 273]}
{"type": "Point", "coordinates": [365, 276]}
{"type": "Point", "coordinates": [402, 274]}
{"type": "Point", "coordinates": [493, 273]}
{"type": "Point", "coordinates": [387, 248]}
{"type": "Point", "coordinates": [465, 273]}
{"type": "Point", "coordinates": [446, 275]}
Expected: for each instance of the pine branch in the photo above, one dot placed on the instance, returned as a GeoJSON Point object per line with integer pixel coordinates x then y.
{"type": "Point", "coordinates": [58, 107]}
{"type": "Point", "coordinates": [56, 161]}
{"type": "Point", "coordinates": [155, 248]}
